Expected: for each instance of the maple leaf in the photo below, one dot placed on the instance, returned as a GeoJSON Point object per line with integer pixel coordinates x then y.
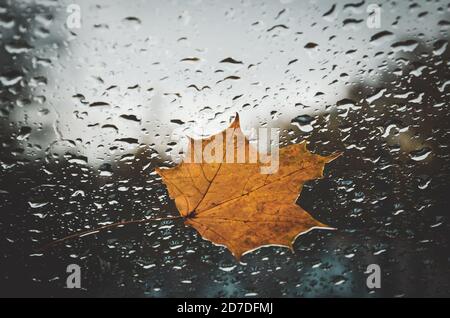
{"type": "Point", "coordinates": [235, 205]}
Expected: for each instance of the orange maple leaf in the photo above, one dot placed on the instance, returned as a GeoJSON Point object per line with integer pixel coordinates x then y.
{"type": "Point", "coordinates": [235, 205]}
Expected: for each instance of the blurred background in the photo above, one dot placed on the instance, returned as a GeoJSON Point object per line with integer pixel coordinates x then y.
{"type": "Point", "coordinates": [93, 97]}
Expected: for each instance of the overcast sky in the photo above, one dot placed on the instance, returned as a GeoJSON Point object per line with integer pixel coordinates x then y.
{"type": "Point", "coordinates": [161, 61]}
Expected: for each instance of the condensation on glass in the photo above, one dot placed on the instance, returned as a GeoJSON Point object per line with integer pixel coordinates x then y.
{"type": "Point", "coordinates": [96, 94]}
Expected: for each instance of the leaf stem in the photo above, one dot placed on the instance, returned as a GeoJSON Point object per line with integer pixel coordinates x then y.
{"type": "Point", "coordinates": [105, 227]}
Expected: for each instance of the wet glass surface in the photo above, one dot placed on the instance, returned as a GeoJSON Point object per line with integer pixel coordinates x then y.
{"type": "Point", "coordinates": [90, 107]}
